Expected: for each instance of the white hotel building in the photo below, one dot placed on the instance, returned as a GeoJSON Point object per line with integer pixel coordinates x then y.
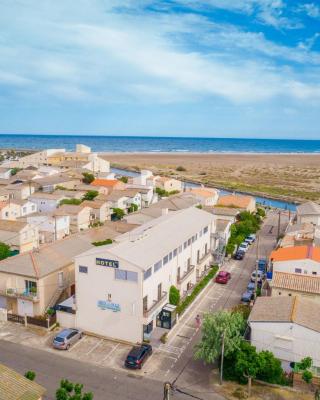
{"type": "Point", "coordinates": [122, 288]}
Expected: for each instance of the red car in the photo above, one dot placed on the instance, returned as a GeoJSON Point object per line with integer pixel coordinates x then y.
{"type": "Point", "coordinates": [223, 277]}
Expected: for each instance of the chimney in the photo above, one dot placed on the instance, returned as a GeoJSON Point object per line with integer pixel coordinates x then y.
{"type": "Point", "coordinates": [165, 211]}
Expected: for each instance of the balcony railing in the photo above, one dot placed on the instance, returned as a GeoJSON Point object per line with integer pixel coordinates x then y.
{"type": "Point", "coordinates": [15, 293]}
{"type": "Point", "coordinates": [204, 257]}
{"type": "Point", "coordinates": [182, 278]}
{"type": "Point", "coordinates": [156, 304]}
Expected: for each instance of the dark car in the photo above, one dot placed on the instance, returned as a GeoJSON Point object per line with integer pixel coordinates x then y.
{"type": "Point", "coordinates": [262, 265]}
{"type": "Point", "coordinates": [239, 255]}
{"type": "Point", "coordinates": [247, 296]}
{"type": "Point", "coordinates": [223, 277]}
{"type": "Point", "coordinates": [137, 356]}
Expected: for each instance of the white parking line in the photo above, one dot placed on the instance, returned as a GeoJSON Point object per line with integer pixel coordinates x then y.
{"type": "Point", "coordinates": [111, 352]}
{"type": "Point", "coordinates": [78, 342]}
{"type": "Point", "coordinates": [94, 347]}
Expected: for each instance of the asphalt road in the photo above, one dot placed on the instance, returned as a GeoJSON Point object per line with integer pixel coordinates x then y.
{"type": "Point", "coordinates": [108, 384]}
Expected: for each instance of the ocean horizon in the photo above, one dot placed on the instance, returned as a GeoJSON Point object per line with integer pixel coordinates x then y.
{"type": "Point", "coordinates": [154, 144]}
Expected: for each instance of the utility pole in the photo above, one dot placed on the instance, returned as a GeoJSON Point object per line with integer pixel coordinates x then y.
{"type": "Point", "coordinates": [222, 357]}
{"type": "Point", "coordinates": [279, 223]}
{"type": "Point", "coordinates": [166, 390]}
{"type": "Point", "coordinates": [256, 274]}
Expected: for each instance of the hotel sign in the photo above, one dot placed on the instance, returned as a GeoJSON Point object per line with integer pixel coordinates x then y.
{"type": "Point", "coordinates": [108, 305]}
{"type": "Point", "coordinates": [107, 263]}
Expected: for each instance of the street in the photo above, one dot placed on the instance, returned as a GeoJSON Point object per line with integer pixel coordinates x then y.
{"type": "Point", "coordinates": [170, 361]}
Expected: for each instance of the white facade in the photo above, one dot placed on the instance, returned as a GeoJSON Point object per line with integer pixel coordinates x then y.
{"type": "Point", "coordinates": [35, 159]}
{"type": "Point", "coordinates": [50, 227]}
{"type": "Point", "coordinates": [45, 202]}
{"type": "Point", "coordinates": [5, 173]}
{"type": "Point", "coordinates": [304, 267]}
{"type": "Point", "coordinates": [288, 341]}
{"type": "Point", "coordinates": [121, 288]}
{"type": "Point", "coordinates": [142, 178]}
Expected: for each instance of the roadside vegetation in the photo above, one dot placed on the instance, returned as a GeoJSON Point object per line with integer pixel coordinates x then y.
{"type": "Point", "coordinates": [102, 242]}
{"type": "Point", "coordinates": [4, 251]}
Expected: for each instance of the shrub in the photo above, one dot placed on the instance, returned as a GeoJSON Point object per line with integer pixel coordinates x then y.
{"type": "Point", "coordinates": [174, 296]}
{"type": "Point", "coordinates": [31, 375]}
{"type": "Point", "coordinates": [197, 289]}
{"type": "Point", "coordinates": [118, 213]}
{"type": "Point", "coordinates": [180, 169]}
{"type": "Point", "coordinates": [307, 376]}
{"type": "Point", "coordinates": [261, 212]}
{"type": "Point", "coordinates": [90, 195]}
{"type": "Point", "coordinates": [102, 242]}
{"type": "Point", "coordinates": [243, 309]}
{"type": "Point", "coordinates": [133, 208]}
{"type": "Point", "coordinates": [164, 338]}
{"type": "Point", "coordinates": [4, 251]}
{"type": "Point", "coordinates": [87, 177]}
{"type": "Point", "coordinates": [123, 179]}
{"type": "Point", "coordinates": [74, 202]}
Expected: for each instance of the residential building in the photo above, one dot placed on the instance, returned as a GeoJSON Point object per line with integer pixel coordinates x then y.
{"type": "Point", "coordinates": [20, 191]}
{"type": "Point", "coordinates": [9, 210]}
{"type": "Point", "coordinates": [142, 178]}
{"type": "Point", "coordinates": [206, 196]}
{"type": "Point", "coordinates": [117, 199]}
{"type": "Point", "coordinates": [148, 196]}
{"type": "Point", "coordinates": [100, 210]}
{"type": "Point", "coordinates": [301, 260]}
{"type": "Point", "coordinates": [32, 282]}
{"type": "Point", "coordinates": [5, 173]}
{"type": "Point", "coordinates": [80, 217]}
{"type": "Point", "coordinates": [165, 183]}
{"type": "Point", "coordinates": [35, 159]}
{"type": "Point", "coordinates": [50, 183]}
{"type": "Point", "coordinates": [122, 288]}
{"type": "Point", "coordinates": [286, 284]}
{"type": "Point", "coordinates": [14, 386]}
{"type": "Point", "coordinates": [19, 235]}
{"type": "Point", "coordinates": [109, 184]}
{"type": "Point", "coordinates": [224, 213]}
{"type": "Point", "coordinates": [289, 327]}
{"type": "Point", "coordinates": [247, 203]}
{"type": "Point", "coordinates": [51, 227]}
{"type": "Point", "coordinates": [46, 202]}
{"type": "Point", "coordinates": [308, 212]}
{"type": "Point", "coordinates": [301, 235]}
{"type": "Point", "coordinates": [4, 195]}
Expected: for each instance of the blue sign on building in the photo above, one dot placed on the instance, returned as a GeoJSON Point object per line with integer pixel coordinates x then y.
{"type": "Point", "coordinates": [108, 305]}
{"type": "Point", "coordinates": [107, 263]}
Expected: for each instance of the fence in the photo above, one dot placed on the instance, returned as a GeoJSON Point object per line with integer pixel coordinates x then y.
{"type": "Point", "coordinates": [43, 322]}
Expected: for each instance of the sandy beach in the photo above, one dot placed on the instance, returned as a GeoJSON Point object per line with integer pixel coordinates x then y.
{"type": "Point", "coordinates": [294, 177]}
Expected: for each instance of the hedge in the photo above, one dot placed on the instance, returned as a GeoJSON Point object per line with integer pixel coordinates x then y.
{"type": "Point", "coordinates": [197, 289]}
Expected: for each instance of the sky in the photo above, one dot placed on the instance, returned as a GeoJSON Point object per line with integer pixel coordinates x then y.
{"type": "Point", "coordinates": [200, 68]}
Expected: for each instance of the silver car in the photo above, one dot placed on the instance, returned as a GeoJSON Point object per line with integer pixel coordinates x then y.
{"type": "Point", "coordinates": [66, 338]}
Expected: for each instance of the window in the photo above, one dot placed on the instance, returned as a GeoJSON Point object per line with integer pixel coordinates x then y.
{"type": "Point", "coordinates": [147, 273]}
{"type": "Point", "coordinates": [180, 249]}
{"type": "Point", "coordinates": [157, 266]}
{"type": "Point", "coordinates": [314, 273]}
{"type": "Point", "coordinates": [83, 270]}
{"type": "Point", "coordinates": [193, 239]}
{"type": "Point", "coordinates": [109, 297]}
{"type": "Point", "coordinates": [165, 260]}
{"type": "Point", "coordinates": [189, 242]}
{"type": "Point", "coordinates": [298, 270]}
{"type": "Point", "coordinates": [124, 275]}
{"type": "Point", "coordinates": [159, 291]}
{"type": "Point", "coordinates": [200, 233]}
{"type": "Point", "coordinates": [205, 230]}
{"type": "Point", "coordinates": [175, 252]}
{"type": "Point", "coordinates": [185, 245]}
{"type": "Point", "coordinates": [145, 303]}
{"type": "Point", "coordinates": [170, 256]}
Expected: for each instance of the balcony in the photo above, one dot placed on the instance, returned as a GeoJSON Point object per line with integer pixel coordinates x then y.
{"type": "Point", "coordinates": [156, 304]}
{"type": "Point", "coordinates": [204, 258]}
{"type": "Point", "coordinates": [21, 294]}
{"type": "Point", "coordinates": [186, 274]}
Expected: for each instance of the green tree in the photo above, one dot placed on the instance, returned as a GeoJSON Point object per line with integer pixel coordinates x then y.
{"type": "Point", "coordinates": [71, 391]}
{"type": "Point", "coordinates": [305, 363]}
{"type": "Point", "coordinates": [14, 171]}
{"type": "Point", "coordinates": [123, 179]}
{"type": "Point", "coordinates": [261, 212]}
{"type": "Point", "coordinates": [90, 195]}
{"type": "Point", "coordinates": [31, 375]}
{"type": "Point", "coordinates": [87, 177]}
{"type": "Point", "coordinates": [4, 251]}
{"type": "Point", "coordinates": [117, 213]}
{"type": "Point", "coordinates": [174, 296]}
{"type": "Point", "coordinates": [247, 363]}
{"type": "Point", "coordinates": [307, 376]}
{"type": "Point", "coordinates": [270, 368]}
{"type": "Point", "coordinates": [232, 325]}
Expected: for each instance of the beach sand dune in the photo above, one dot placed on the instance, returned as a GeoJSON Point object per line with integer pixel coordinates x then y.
{"type": "Point", "coordinates": [285, 176]}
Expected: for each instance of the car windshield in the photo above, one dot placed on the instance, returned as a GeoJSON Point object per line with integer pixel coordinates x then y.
{"type": "Point", "coordinates": [132, 358]}
{"type": "Point", "coordinates": [59, 339]}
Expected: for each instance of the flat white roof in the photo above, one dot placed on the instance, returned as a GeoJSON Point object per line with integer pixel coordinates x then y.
{"type": "Point", "coordinates": [149, 243]}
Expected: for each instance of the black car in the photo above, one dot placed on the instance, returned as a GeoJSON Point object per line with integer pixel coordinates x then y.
{"type": "Point", "coordinates": [239, 255]}
{"type": "Point", "coordinates": [138, 355]}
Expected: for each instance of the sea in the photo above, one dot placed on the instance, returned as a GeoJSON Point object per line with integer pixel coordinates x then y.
{"type": "Point", "coordinates": [159, 144]}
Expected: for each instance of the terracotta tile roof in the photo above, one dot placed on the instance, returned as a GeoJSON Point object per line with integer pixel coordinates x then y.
{"type": "Point", "coordinates": [296, 253]}
{"type": "Point", "coordinates": [105, 182]}
{"type": "Point", "coordinates": [302, 311]}
{"type": "Point", "coordinates": [204, 192]}
{"type": "Point", "coordinates": [235, 200]}
{"type": "Point", "coordinates": [299, 283]}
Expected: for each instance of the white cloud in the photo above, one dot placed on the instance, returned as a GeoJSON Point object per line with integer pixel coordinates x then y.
{"type": "Point", "coordinates": [311, 9]}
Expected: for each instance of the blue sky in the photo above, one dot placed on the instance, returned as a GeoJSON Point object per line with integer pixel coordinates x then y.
{"type": "Point", "coordinates": [215, 68]}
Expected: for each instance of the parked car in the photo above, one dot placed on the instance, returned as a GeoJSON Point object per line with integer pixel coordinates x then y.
{"type": "Point", "coordinates": [260, 276]}
{"type": "Point", "coordinates": [262, 265]}
{"type": "Point", "coordinates": [223, 277]}
{"type": "Point", "coordinates": [247, 296]}
{"type": "Point", "coordinates": [66, 338]}
{"type": "Point", "coordinates": [239, 255]}
{"type": "Point", "coordinates": [251, 286]}
{"type": "Point", "coordinates": [138, 355]}
{"type": "Point", "coordinates": [252, 237]}
{"type": "Point", "coordinates": [244, 247]}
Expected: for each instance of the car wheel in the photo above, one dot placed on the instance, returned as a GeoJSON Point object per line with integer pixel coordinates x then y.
{"type": "Point", "coordinates": [68, 347]}
{"type": "Point", "coordinates": [81, 336]}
